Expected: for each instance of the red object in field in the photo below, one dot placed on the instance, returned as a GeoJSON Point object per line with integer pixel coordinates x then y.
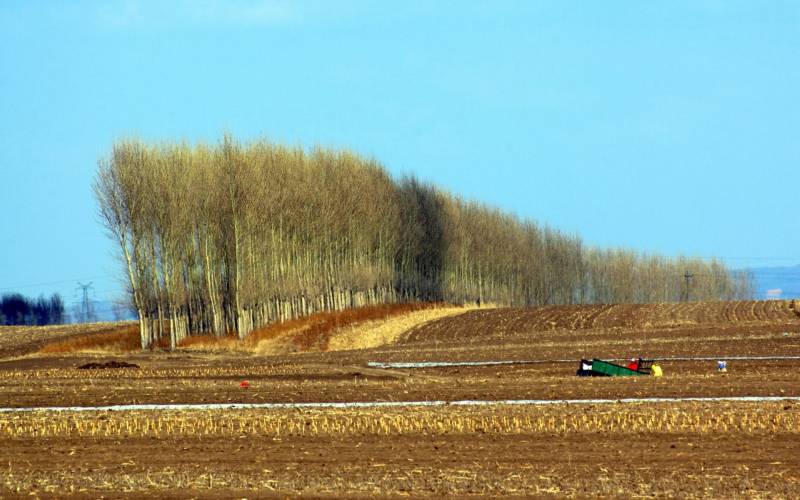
{"type": "Point", "coordinates": [633, 365]}
{"type": "Point", "coordinates": [245, 384]}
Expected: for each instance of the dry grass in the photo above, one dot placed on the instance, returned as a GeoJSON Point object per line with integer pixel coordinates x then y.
{"type": "Point", "coordinates": [20, 340]}
{"type": "Point", "coordinates": [310, 333]}
{"type": "Point", "coordinates": [314, 332]}
{"type": "Point", "coordinates": [321, 331]}
{"type": "Point", "coordinates": [120, 340]}
{"type": "Point", "coordinates": [748, 418]}
{"type": "Point", "coordinates": [388, 331]}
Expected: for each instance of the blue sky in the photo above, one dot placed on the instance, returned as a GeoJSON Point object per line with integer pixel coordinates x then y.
{"type": "Point", "coordinates": [661, 126]}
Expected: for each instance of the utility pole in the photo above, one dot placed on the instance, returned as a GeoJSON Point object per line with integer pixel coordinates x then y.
{"type": "Point", "coordinates": [85, 305]}
{"type": "Point", "coordinates": [688, 277]}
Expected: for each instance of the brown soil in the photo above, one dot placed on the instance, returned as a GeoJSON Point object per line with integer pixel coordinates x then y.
{"type": "Point", "coordinates": [642, 465]}
{"type": "Point", "coordinates": [612, 463]}
{"type": "Point", "coordinates": [673, 449]}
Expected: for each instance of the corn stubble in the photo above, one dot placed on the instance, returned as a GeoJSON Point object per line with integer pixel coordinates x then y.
{"type": "Point", "coordinates": [560, 419]}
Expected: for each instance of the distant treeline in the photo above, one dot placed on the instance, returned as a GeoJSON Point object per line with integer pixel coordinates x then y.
{"type": "Point", "coordinates": [231, 236]}
{"type": "Point", "coordinates": [16, 309]}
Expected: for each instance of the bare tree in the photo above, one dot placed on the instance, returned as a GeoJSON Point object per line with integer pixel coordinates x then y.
{"type": "Point", "coordinates": [229, 237]}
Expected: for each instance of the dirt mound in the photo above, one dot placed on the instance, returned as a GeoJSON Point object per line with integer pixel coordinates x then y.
{"type": "Point", "coordinates": [107, 364]}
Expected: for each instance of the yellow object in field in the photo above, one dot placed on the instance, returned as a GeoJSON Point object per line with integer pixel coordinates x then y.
{"type": "Point", "coordinates": [656, 371]}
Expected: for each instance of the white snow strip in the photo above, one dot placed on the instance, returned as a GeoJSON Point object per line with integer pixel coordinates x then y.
{"type": "Point", "coordinates": [440, 364]}
{"type": "Point", "coordinates": [387, 404]}
{"type": "Point", "coordinates": [444, 364]}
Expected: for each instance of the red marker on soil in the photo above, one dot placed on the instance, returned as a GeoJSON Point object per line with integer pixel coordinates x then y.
{"type": "Point", "coordinates": [245, 384]}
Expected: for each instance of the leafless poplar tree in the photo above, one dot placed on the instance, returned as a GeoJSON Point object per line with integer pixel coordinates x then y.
{"type": "Point", "coordinates": [229, 237]}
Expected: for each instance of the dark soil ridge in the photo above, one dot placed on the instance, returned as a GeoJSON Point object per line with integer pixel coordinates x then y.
{"type": "Point", "coordinates": [106, 365]}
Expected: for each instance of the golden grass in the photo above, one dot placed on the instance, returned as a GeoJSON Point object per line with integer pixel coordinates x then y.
{"type": "Point", "coordinates": [748, 418]}
{"type": "Point", "coordinates": [25, 339]}
{"type": "Point", "coordinates": [318, 332]}
{"type": "Point", "coordinates": [390, 330]}
{"type": "Point", "coordinates": [120, 340]}
{"type": "Point", "coordinates": [313, 332]}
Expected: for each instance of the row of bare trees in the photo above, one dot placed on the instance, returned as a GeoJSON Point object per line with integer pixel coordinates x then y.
{"type": "Point", "coordinates": [231, 236]}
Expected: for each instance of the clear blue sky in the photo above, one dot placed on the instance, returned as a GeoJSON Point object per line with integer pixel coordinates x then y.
{"type": "Point", "coordinates": [662, 126]}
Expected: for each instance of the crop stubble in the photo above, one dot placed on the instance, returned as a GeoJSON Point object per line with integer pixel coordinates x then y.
{"type": "Point", "coordinates": [677, 449]}
{"type": "Point", "coordinates": [685, 449]}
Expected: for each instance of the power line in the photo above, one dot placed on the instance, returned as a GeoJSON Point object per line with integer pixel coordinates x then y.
{"type": "Point", "coordinates": [766, 273]}
{"type": "Point", "coordinates": [754, 258]}
{"type": "Point", "coordinates": [59, 282]}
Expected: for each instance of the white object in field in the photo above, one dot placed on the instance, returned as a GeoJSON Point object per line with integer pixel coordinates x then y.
{"type": "Point", "coordinates": [441, 364]}
{"type": "Point", "coordinates": [391, 404]}
{"type": "Point", "coordinates": [722, 366]}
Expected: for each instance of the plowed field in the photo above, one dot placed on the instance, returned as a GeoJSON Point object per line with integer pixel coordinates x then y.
{"type": "Point", "coordinates": [711, 449]}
